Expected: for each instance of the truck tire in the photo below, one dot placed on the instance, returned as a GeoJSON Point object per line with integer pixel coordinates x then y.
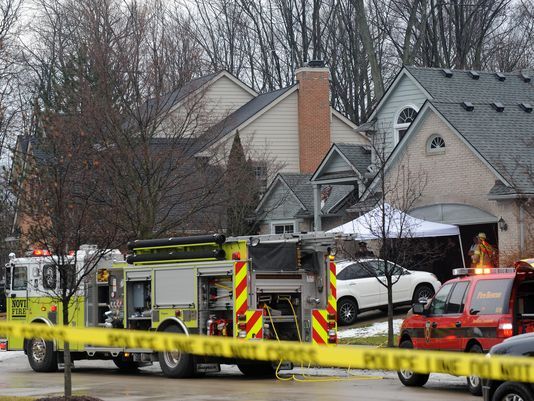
{"type": "Point", "coordinates": [474, 383]}
{"type": "Point", "coordinates": [41, 355]}
{"type": "Point", "coordinates": [176, 364]}
{"type": "Point", "coordinates": [347, 311]}
{"type": "Point", "coordinates": [409, 378]}
{"type": "Point", "coordinates": [422, 291]}
{"type": "Point", "coordinates": [513, 391]}
{"type": "Point", "coordinates": [125, 365]}
{"type": "Point", "coordinates": [258, 369]}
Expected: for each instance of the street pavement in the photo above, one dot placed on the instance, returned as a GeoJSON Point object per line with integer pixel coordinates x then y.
{"type": "Point", "coordinates": [101, 379]}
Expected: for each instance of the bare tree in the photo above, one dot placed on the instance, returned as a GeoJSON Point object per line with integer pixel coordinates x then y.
{"type": "Point", "coordinates": [396, 191]}
{"type": "Point", "coordinates": [62, 207]}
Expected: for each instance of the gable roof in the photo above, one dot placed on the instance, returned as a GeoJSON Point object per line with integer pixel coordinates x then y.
{"type": "Point", "coordinates": [462, 87]}
{"type": "Point", "coordinates": [358, 158]}
{"type": "Point", "coordinates": [158, 105]}
{"type": "Point", "coordinates": [504, 139]}
{"type": "Point", "coordinates": [301, 189]}
{"type": "Point", "coordinates": [358, 155]}
{"type": "Point", "coordinates": [246, 112]}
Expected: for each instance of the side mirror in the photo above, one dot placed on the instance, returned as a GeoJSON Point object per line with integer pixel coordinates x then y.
{"type": "Point", "coordinates": [418, 309]}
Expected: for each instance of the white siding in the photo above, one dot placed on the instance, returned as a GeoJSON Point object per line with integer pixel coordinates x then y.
{"type": "Point", "coordinates": [343, 133]}
{"type": "Point", "coordinates": [199, 111]}
{"type": "Point", "coordinates": [225, 96]}
{"type": "Point", "coordinates": [405, 94]}
{"type": "Point", "coordinates": [274, 136]}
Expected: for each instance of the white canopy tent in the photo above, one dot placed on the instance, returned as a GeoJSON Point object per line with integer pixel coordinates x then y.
{"type": "Point", "coordinates": [397, 225]}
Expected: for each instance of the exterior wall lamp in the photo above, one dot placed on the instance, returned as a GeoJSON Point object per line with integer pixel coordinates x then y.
{"type": "Point", "coordinates": [502, 224]}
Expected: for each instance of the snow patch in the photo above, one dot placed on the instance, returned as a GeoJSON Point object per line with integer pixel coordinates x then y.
{"type": "Point", "coordinates": [5, 355]}
{"type": "Point", "coordinates": [376, 329]}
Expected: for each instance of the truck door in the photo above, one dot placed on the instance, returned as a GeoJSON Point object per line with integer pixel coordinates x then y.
{"type": "Point", "coordinates": [445, 325]}
{"type": "Point", "coordinates": [17, 300]}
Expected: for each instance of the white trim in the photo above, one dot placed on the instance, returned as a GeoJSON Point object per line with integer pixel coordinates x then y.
{"type": "Point", "coordinates": [274, 223]}
{"type": "Point", "coordinates": [397, 127]}
{"type": "Point", "coordinates": [391, 89]}
{"type": "Point", "coordinates": [418, 120]}
{"type": "Point", "coordinates": [346, 181]}
{"type": "Point", "coordinates": [221, 74]}
{"type": "Point", "coordinates": [267, 194]}
{"type": "Point", "coordinates": [329, 154]}
{"type": "Point", "coordinates": [435, 151]}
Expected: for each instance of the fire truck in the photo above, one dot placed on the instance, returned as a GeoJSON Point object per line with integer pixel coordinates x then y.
{"type": "Point", "coordinates": [270, 287]}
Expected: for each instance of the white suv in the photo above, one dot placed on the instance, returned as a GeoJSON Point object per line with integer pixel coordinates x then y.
{"type": "Point", "coordinates": [358, 288]}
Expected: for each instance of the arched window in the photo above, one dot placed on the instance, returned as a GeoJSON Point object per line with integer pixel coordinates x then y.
{"type": "Point", "coordinates": [435, 144]}
{"type": "Point", "coordinates": [403, 121]}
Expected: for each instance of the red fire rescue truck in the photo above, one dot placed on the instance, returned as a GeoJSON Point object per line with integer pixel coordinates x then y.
{"type": "Point", "coordinates": [471, 313]}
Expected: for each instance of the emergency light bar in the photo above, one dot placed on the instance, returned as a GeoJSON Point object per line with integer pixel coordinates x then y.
{"type": "Point", "coordinates": [472, 271]}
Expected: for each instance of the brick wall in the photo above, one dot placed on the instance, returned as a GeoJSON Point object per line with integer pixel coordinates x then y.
{"type": "Point", "coordinates": [313, 116]}
{"type": "Point", "coordinates": [457, 176]}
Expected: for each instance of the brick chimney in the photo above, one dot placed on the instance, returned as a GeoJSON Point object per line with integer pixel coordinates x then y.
{"type": "Point", "coordinates": [314, 114]}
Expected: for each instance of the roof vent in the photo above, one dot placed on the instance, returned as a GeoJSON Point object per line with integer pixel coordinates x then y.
{"type": "Point", "coordinates": [499, 107]}
{"type": "Point", "coordinates": [525, 76]}
{"type": "Point", "coordinates": [316, 63]}
{"type": "Point", "coordinates": [474, 74]}
{"type": "Point", "coordinates": [526, 107]}
{"type": "Point", "coordinates": [468, 106]}
{"type": "Point", "coordinates": [447, 72]}
{"type": "Point", "coordinates": [500, 76]}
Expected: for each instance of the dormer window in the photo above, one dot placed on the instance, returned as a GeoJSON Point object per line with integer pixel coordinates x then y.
{"type": "Point", "coordinates": [404, 119]}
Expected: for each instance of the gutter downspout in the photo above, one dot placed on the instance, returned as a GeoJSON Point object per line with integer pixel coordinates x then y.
{"type": "Point", "coordinates": [521, 229]}
{"type": "Point", "coordinates": [317, 207]}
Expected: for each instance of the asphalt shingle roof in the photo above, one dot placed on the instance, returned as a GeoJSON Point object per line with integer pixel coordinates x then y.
{"type": "Point", "coordinates": [462, 87]}
{"type": "Point", "coordinates": [504, 139]}
{"type": "Point", "coordinates": [358, 155]}
{"type": "Point", "coordinates": [301, 186]}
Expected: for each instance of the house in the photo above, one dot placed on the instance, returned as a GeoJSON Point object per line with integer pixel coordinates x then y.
{"type": "Point", "coordinates": [286, 131]}
{"type": "Point", "coordinates": [471, 134]}
{"type": "Point", "coordinates": [288, 204]}
{"type": "Point", "coordinates": [289, 129]}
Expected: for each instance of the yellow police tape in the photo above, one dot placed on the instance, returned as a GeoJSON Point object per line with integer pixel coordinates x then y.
{"type": "Point", "coordinates": [455, 363]}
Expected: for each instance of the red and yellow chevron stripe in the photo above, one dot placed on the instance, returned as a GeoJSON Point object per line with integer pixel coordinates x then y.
{"type": "Point", "coordinates": [240, 291]}
{"type": "Point", "coordinates": [319, 326]}
{"type": "Point", "coordinates": [332, 295]}
{"type": "Point", "coordinates": [254, 323]}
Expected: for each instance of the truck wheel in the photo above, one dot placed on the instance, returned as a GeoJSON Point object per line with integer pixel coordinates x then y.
{"type": "Point", "coordinates": [474, 383]}
{"type": "Point", "coordinates": [125, 365]}
{"type": "Point", "coordinates": [41, 355]}
{"type": "Point", "coordinates": [259, 369]}
{"type": "Point", "coordinates": [511, 391]}
{"type": "Point", "coordinates": [422, 291]}
{"type": "Point", "coordinates": [347, 310]}
{"type": "Point", "coordinates": [176, 364]}
{"type": "Point", "coordinates": [409, 378]}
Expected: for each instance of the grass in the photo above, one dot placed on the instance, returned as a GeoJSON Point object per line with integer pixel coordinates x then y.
{"type": "Point", "coordinates": [15, 398]}
{"type": "Point", "coordinates": [376, 341]}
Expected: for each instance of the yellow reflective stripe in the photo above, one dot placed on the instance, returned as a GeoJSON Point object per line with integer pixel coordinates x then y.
{"type": "Point", "coordinates": [257, 327]}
